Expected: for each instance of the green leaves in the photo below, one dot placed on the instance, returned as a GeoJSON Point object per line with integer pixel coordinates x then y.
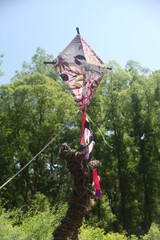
{"type": "Point", "coordinates": [153, 233]}
{"type": "Point", "coordinates": [38, 223]}
{"type": "Point", "coordinates": [33, 111]}
{"type": "Point", "coordinates": [126, 107]}
{"type": "Point", "coordinates": [37, 66]}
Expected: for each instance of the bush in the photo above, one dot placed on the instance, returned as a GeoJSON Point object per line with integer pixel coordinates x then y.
{"type": "Point", "coordinates": [106, 219]}
{"type": "Point", "coordinates": [90, 233]}
{"type": "Point", "coordinates": [7, 231]}
{"type": "Point", "coordinates": [153, 233]}
{"type": "Point", "coordinates": [37, 224]}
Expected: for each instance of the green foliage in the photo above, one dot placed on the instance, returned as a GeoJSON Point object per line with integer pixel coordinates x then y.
{"type": "Point", "coordinates": [126, 103]}
{"type": "Point", "coordinates": [1, 73]}
{"type": "Point", "coordinates": [89, 233]}
{"type": "Point", "coordinates": [37, 224]}
{"type": "Point", "coordinates": [153, 233]}
{"type": "Point", "coordinates": [101, 215]}
{"type": "Point", "coordinates": [8, 231]}
{"type": "Point", "coordinates": [37, 66]}
{"type": "Point", "coordinates": [40, 203]}
{"type": "Point", "coordinates": [33, 110]}
{"type": "Point", "coordinates": [115, 236]}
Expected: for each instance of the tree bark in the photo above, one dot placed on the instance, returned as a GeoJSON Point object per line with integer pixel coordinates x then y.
{"type": "Point", "coordinates": [83, 191]}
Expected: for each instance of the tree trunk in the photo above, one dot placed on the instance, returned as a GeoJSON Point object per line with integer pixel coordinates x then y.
{"type": "Point", "coordinates": [80, 202]}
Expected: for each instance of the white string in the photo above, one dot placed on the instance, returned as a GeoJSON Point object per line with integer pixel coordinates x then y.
{"type": "Point", "coordinates": [38, 153]}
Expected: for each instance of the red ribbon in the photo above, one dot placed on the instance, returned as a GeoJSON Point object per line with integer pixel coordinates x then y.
{"type": "Point", "coordinates": [96, 183]}
{"type": "Point", "coordinates": [82, 130]}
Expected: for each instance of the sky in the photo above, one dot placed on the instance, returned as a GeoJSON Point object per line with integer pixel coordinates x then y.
{"type": "Point", "coordinates": [116, 29]}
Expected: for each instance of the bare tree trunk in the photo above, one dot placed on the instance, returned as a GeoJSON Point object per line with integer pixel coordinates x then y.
{"type": "Point", "coordinates": [80, 202]}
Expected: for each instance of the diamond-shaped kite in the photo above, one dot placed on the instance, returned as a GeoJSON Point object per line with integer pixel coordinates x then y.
{"type": "Point", "coordinates": [81, 69]}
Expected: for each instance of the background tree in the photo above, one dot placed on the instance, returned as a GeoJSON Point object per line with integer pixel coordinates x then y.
{"type": "Point", "coordinates": [33, 110]}
{"type": "Point", "coordinates": [37, 66]}
{"type": "Point", "coordinates": [1, 56]}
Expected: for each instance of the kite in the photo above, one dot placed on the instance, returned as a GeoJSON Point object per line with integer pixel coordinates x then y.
{"type": "Point", "coordinates": [82, 71]}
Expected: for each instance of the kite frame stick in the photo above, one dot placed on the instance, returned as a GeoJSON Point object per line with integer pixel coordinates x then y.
{"type": "Point", "coordinates": [78, 32]}
{"type": "Point", "coordinates": [109, 68]}
{"type": "Point", "coordinates": [53, 62]}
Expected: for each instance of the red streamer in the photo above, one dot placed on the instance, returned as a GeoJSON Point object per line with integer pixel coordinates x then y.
{"type": "Point", "coordinates": [96, 182]}
{"type": "Point", "coordinates": [82, 130]}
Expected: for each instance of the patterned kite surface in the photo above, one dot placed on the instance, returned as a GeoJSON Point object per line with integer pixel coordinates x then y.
{"type": "Point", "coordinates": [81, 69]}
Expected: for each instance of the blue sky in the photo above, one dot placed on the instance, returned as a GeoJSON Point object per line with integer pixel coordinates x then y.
{"type": "Point", "coordinates": [115, 29]}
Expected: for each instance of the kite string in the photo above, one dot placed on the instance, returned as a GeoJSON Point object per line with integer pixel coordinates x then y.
{"type": "Point", "coordinates": [99, 131]}
{"type": "Point", "coordinates": [10, 179]}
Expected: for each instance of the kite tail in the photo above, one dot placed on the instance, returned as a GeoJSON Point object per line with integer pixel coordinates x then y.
{"type": "Point", "coordinates": [86, 143]}
{"type": "Point", "coordinates": [86, 146]}
{"type": "Point", "coordinates": [96, 183]}
{"type": "Point", "coordinates": [82, 129]}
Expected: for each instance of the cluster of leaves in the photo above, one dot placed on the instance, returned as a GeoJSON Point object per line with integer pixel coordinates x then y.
{"type": "Point", "coordinates": [39, 222]}
{"type": "Point", "coordinates": [91, 233]}
{"type": "Point", "coordinates": [35, 106]}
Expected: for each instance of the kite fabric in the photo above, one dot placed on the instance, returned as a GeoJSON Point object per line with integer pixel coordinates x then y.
{"type": "Point", "coordinates": [88, 143]}
{"type": "Point", "coordinates": [81, 69]}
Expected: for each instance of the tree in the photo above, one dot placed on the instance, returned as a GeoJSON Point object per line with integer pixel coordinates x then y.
{"type": "Point", "coordinates": [128, 116]}
{"type": "Point", "coordinates": [120, 189]}
{"type": "Point", "coordinates": [1, 73]}
{"type": "Point", "coordinates": [37, 66]}
{"type": "Point", "coordinates": [32, 111]}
